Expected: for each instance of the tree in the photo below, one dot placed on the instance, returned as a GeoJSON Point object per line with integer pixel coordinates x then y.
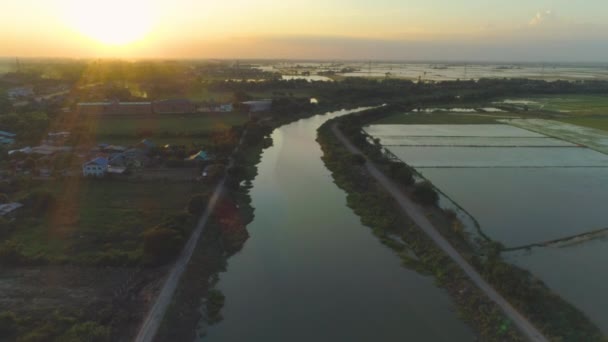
{"type": "Point", "coordinates": [197, 204]}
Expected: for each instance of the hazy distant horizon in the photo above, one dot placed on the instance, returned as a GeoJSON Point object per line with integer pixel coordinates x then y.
{"type": "Point", "coordinates": [22, 59]}
{"type": "Point", "coordinates": [414, 30]}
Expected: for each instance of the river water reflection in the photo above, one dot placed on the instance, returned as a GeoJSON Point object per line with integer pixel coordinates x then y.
{"type": "Point", "coordinates": [312, 272]}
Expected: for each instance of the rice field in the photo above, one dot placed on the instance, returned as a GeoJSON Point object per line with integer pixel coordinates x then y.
{"type": "Point", "coordinates": [572, 104]}
{"type": "Point", "coordinates": [524, 182]}
{"type": "Point", "coordinates": [499, 157]}
{"type": "Point", "coordinates": [473, 141]}
{"type": "Point", "coordinates": [481, 130]}
{"type": "Point", "coordinates": [575, 272]}
{"type": "Point", "coordinates": [593, 138]}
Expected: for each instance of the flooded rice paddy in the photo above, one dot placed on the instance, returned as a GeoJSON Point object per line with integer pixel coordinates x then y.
{"type": "Point", "coordinates": [523, 187]}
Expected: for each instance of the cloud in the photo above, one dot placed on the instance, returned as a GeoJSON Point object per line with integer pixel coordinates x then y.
{"type": "Point", "coordinates": [544, 17]}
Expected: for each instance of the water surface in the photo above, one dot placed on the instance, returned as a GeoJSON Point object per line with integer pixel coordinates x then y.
{"type": "Point", "coordinates": [311, 272]}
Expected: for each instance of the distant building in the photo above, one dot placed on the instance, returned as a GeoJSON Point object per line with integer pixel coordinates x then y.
{"type": "Point", "coordinates": [47, 150]}
{"type": "Point", "coordinates": [146, 144]}
{"type": "Point", "coordinates": [7, 134]}
{"type": "Point", "coordinates": [200, 156]}
{"type": "Point", "coordinates": [225, 108]}
{"type": "Point", "coordinates": [259, 105]}
{"type": "Point", "coordinates": [95, 168]}
{"type": "Point", "coordinates": [6, 141]}
{"type": "Point", "coordinates": [8, 208]}
{"type": "Point", "coordinates": [115, 108]}
{"type": "Point", "coordinates": [170, 106]}
{"type": "Point", "coordinates": [20, 92]}
{"type": "Point", "coordinates": [174, 106]}
{"type": "Point", "coordinates": [135, 158]}
{"type": "Point", "coordinates": [7, 138]}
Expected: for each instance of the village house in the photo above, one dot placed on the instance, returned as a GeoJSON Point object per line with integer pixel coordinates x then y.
{"type": "Point", "coordinates": [95, 168]}
{"type": "Point", "coordinates": [7, 138]}
{"type": "Point", "coordinates": [259, 105]}
{"type": "Point", "coordinates": [9, 208]}
{"type": "Point", "coordinates": [224, 108]}
{"type": "Point", "coordinates": [20, 92]}
{"type": "Point", "coordinates": [199, 156]}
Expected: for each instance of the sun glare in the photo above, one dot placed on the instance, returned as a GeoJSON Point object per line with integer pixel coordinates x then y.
{"type": "Point", "coordinates": [111, 22]}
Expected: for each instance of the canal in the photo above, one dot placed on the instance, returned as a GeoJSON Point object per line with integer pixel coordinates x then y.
{"type": "Point", "coordinates": [312, 272]}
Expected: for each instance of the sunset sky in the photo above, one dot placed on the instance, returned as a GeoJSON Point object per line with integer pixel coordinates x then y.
{"type": "Point", "coordinates": [519, 30]}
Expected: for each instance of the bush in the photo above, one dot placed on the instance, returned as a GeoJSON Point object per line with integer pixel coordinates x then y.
{"type": "Point", "coordinates": [197, 204]}
{"type": "Point", "coordinates": [401, 173]}
{"type": "Point", "coordinates": [162, 244]}
{"type": "Point", "coordinates": [3, 198]}
{"type": "Point", "coordinates": [88, 331]}
{"type": "Point", "coordinates": [8, 325]}
{"type": "Point", "coordinates": [357, 159]}
{"type": "Point", "coordinates": [426, 194]}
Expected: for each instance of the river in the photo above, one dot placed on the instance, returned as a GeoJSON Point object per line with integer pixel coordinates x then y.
{"type": "Point", "coordinates": [312, 272]}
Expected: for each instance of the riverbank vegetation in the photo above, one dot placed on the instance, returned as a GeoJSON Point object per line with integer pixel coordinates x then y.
{"type": "Point", "coordinates": [557, 319]}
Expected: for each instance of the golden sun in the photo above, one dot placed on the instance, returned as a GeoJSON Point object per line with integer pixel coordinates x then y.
{"type": "Point", "coordinates": [111, 22]}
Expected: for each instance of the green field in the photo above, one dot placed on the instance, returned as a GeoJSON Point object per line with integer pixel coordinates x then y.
{"type": "Point", "coordinates": [570, 104]}
{"type": "Point", "coordinates": [162, 129]}
{"type": "Point", "coordinates": [591, 122]}
{"type": "Point", "coordinates": [94, 218]}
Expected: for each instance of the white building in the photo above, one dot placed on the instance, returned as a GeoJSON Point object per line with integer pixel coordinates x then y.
{"type": "Point", "coordinates": [8, 208]}
{"type": "Point", "coordinates": [95, 168]}
{"type": "Point", "coordinates": [259, 105]}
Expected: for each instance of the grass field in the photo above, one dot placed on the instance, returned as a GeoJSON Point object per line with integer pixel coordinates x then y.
{"type": "Point", "coordinates": [93, 218]}
{"type": "Point", "coordinates": [573, 104]}
{"type": "Point", "coordinates": [591, 122]}
{"type": "Point", "coordinates": [162, 129]}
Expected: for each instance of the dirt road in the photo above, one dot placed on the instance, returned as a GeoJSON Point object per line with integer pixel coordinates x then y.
{"type": "Point", "coordinates": [417, 215]}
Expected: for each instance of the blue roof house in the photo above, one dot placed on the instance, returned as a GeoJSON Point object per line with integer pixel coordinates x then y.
{"type": "Point", "coordinates": [95, 168]}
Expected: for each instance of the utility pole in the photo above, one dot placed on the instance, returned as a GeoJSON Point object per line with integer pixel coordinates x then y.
{"type": "Point", "coordinates": [542, 71]}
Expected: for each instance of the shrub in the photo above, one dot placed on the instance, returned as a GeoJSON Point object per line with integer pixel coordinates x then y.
{"type": "Point", "coordinates": [88, 331]}
{"type": "Point", "coordinates": [8, 325]}
{"type": "Point", "coordinates": [357, 159]}
{"type": "Point", "coordinates": [197, 204]}
{"type": "Point", "coordinates": [426, 194]}
{"type": "Point", "coordinates": [401, 173]}
{"type": "Point", "coordinates": [162, 244]}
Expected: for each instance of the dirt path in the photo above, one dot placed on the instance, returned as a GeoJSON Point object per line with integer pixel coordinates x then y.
{"type": "Point", "coordinates": [153, 319]}
{"type": "Point", "coordinates": [155, 315]}
{"type": "Point", "coordinates": [417, 215]}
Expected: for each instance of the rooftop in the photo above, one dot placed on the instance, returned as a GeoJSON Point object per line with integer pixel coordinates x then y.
{"type": "Point", "coordinates": [9, 207]}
